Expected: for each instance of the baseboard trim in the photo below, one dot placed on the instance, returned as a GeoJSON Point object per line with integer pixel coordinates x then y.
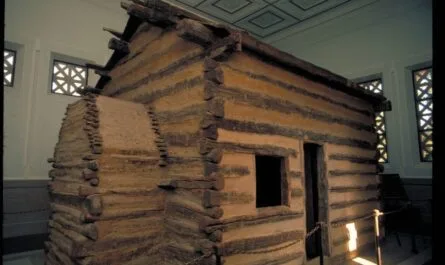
{"type": "Point", "coordinates": [23, 243]}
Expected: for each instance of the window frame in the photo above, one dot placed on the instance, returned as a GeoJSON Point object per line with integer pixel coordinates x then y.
{"type": "Point", "coordinates": [370, 79]}
{"type": "Point", "coordinates": [14, 66]}
{"type": "Point", "coordinates": [416, 101]}
{"type": "Point", "coordinates": [70, 60]}
{"type": "Point", "coordinates": [284, 182]}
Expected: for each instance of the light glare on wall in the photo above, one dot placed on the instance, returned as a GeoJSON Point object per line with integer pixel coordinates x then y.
{"type": "Point", "coordinates": [352, 234]}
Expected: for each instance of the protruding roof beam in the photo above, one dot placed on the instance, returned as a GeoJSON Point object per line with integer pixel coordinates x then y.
{"type": "Point", "coordinates": [114, 32]}
{"type": "Point", "coordinates": [118, 45]}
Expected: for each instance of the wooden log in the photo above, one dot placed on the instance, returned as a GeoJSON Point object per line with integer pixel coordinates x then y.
{"type": "Point", "coordinates": [218, 183]}
{"type": "Point", "coordinates": [289, 86]}
{"type": "Point", "coordinates": [69, 241]}
{"type": "Point", "coordinates": [313, 72]}
{"type": "Point", "coordinates": [119, 45]}
{"type": "Point", "coordinates": [216, 107]}
{"type": "Point", "coordinates": [88, 230]}
{"type": "Point", "coordinates": [183, 228]}
{"type": "Point", "coordinates": [337, 173]}
{"type": "Point", "coordinates": [346, 204]}
{"type": "Point", "coordinates": [265, 128]}
{"type": "Point", "coordinates": [231, 197]}
{"type": "Point", "coordinates": [194, 31]}
{"type": "Point", "coordinates": [113, 32]}
{"type": "Point", "coordinates": [210, 89]}
{"type": "Point", "coordinates": [352, 158]}
{"type": "Point", "coordinates": [77, 214]}
{"type": "Point", "coordinates": [189, 207]}
{"type": "Point", "coordinates": [295, 174]}
{"type": "Point", "coordinates": [93, 165]}
{"type": "Point", "coordinates": [210, 168]}
{"type": "Point", "coordinates": [208, 121]}
{"type": "Point", "coordinates": [206, 224]}
{"type": "Point", "coordinates": [253, 243]}
{"type": "Point", "coordinates": [88, 174]}
{"type": "Point", "coordinates": [149, 14]}
{"type": "Point", "coordinates": [188, 184]}
{"type": "Point", "coordinates": [211, 198]}
{"type": "Point", "coordinates": [215, 75]}
{"type": "Point", "coordinates": [238, 94]}
{"type": "Point", "coordinates": [354, 188]}
{"type": "Point", "coordinates": [296, 192]}
{"type": "Point", "coordinates": [234, 170]}
{"type": "Point", "coordinates": [94, 205]}
{"type": "Point", "coordinates": [210, 64]}
{"type": "Point", "coordinates": [59, 255]}
{"type": "Point", "coordinates": [94, 182]}
{"type": "Point", "coordinates": [211, 132]}
{"type": "Point", "coordinates": [216, 236]}
{"type": "Point", "coordinates": [214, 155]}
{"type": "Point", "coordinates": [267, 216]}
{"type": "Point", "coordinates": [272, 255]}
{"type": "Point", "coordinates": [205, 246]}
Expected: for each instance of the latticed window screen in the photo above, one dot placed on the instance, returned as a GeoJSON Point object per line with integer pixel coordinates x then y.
{"type": "Point", "coordinates": [68, 77]}
{"type": "Point", "coordinates": [8, 67]}
{"type": "Point", "coordinates": [376, 86]}
{"type": "Point", "coordinates": [423, 85]}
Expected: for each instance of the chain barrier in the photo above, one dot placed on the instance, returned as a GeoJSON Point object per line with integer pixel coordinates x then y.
{"type": "Point", "coordinates": [318, 226]}
{"type": "Point", "coordinates": [274, 249]}
{"type": "Point", "coordinates": [310, 233]}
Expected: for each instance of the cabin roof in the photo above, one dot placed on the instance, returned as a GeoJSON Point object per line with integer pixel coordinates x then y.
{"type": "Point", "coordinates": [165, 14]}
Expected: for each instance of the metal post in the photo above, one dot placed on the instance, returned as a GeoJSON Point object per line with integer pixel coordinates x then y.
{"type": "Point", "coordinates": [321, 243]}
{"type": "Point", "coordinates": [378, 253]}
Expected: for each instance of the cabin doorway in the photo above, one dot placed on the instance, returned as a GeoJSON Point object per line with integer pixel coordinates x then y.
{"type": "Point", "coordinates": [316, 193]}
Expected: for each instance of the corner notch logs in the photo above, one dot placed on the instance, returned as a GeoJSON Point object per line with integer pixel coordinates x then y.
{"type": "Point", "coordinates": [208, 146]}
{"type": "Point", "coordinates": [77, 223]}
{"type": "Point", "coordinates": [159, 140]}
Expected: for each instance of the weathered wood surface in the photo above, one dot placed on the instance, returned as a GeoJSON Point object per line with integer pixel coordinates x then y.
{"type": "Point", "coordinates": [94, 217]}
{"type": "Point", "coordinates": [182, 168]}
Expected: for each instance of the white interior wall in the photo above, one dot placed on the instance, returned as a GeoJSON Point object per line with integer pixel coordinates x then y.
{"type": "Point", "coordinates": [32, 114]}
{"type": "Point", "coordinates": [388, 38]}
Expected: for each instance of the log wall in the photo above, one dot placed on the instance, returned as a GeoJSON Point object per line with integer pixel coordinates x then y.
{"type": "Point", "coordinates": [106, 208]}
{"type": "Point", "coordinates": [161, 168]}
{"type": "Point", "coordinates": [168, 75]}
{"type": "Point", "coordinates": [268, 110]}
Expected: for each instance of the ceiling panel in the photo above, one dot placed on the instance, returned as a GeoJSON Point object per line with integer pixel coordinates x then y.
{"type": "Point", "coordinates": [265, 19]}
{"type": "Point", "coordinates": [231, 10]}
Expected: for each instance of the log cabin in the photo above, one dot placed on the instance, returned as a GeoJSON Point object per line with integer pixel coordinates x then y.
{"type": "Point", "coordinates": [203, 145]}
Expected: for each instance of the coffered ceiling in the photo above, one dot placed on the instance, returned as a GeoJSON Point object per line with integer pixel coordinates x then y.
{"type": "Point", "coordinates": [267, 18]}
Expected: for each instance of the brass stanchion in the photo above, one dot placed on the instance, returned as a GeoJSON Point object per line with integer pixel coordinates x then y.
{"type": "Point", "coordinates": [378, 253]}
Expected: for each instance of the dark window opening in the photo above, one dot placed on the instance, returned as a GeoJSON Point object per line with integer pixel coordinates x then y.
{"type": "Point", "coordinates": [269, 181]}
{"type": "Point", "coordinates": [311, 169]}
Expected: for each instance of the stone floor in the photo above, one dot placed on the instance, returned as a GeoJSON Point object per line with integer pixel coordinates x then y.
{"type": "Point", "coordinates": [392, 254]}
